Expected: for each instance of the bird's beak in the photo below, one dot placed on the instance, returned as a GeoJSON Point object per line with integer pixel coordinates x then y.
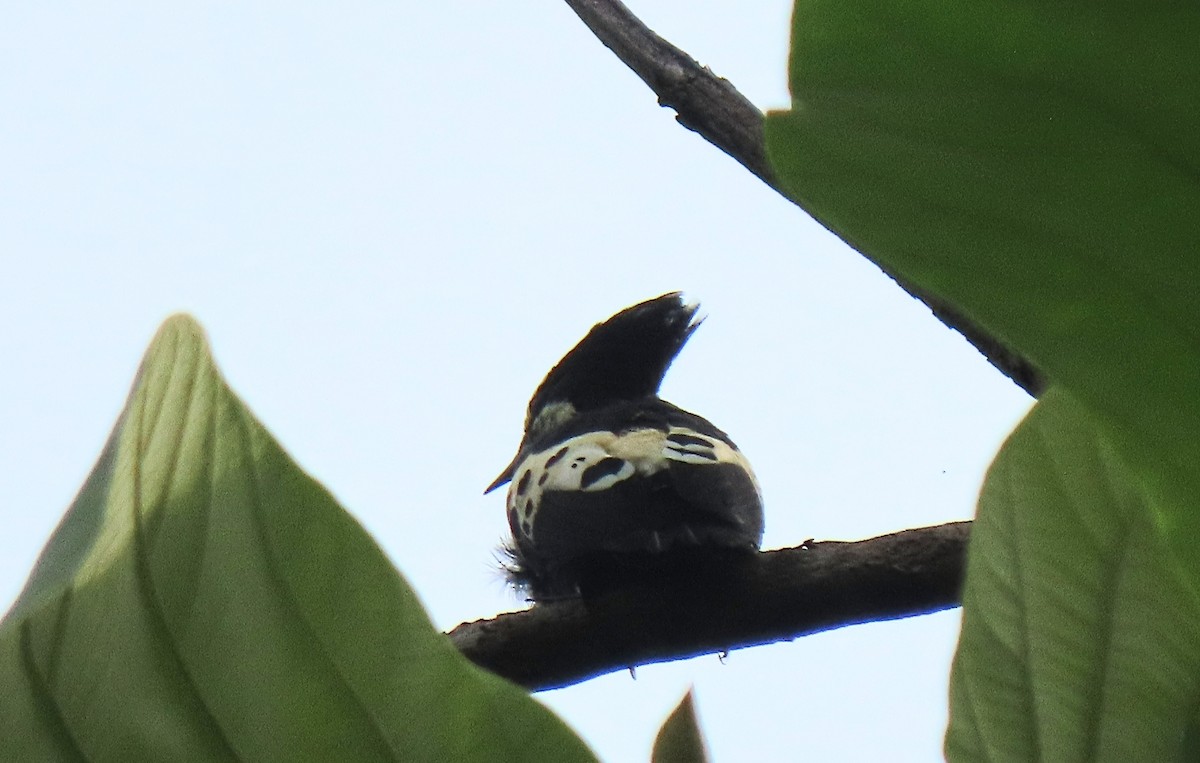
{"type": "Point", "coordinates": [505, 475]}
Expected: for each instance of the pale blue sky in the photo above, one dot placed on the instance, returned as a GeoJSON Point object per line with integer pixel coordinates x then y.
{"type": "Point", "coordinates": [392, 218]}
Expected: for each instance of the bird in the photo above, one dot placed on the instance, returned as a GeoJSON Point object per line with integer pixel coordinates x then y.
{"type": "Point", "coordinates": [610, 481]}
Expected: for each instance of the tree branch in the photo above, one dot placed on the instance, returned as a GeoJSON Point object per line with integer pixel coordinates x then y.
{"type": "Point", "coordinates": [724, 605]}
{"type": "Point", "coordinates": [713, 108]}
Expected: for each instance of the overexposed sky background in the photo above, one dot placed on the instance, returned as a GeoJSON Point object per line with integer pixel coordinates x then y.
{"type": "Point", "coordinates": [392, 219]}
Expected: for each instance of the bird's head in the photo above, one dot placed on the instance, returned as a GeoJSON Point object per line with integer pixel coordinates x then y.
{"type": "Point", "coordinates": [622, 359]}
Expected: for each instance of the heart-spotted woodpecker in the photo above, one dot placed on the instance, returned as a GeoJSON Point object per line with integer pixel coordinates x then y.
{"type": "Point", "coordinates": [610, 480]}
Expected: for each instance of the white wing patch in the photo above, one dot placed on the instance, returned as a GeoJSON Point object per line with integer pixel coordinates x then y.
{"type": "Point", "coordinates": [597, 461]}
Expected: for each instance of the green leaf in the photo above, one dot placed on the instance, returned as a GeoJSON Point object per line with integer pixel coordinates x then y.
{"type": "Point", "coordinates": [1037, 164]}
{"type": "Point", "coordinates": [679, 740]}
{"type": "Point", "coordinates": [205, 600]}
{"type": "Point", "coordinates": [1078, 641]}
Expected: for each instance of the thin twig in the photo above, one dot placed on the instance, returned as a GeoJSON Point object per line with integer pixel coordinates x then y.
{"type": "Point", "coordinates": [713, 108]}
{"type": "Point", "coordinates": [722, 606]}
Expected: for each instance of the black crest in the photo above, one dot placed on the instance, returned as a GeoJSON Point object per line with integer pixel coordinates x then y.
{"type": "Point", "coordinates": [623, 358]}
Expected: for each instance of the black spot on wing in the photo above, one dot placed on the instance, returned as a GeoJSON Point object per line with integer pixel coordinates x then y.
{"type": "Point", "coordinates": [556, 457]}
{"type": "Point", "coordinates": [706, 454]}
{"type": "Point", "coordinates": [599, 470]}
{"type": "Point", "coordinates": [523, 485]}
{"type": "Point", "coordinates": [542, 480]}
{"type": "Point", "coordinates": [683, 445]}
{"type": "Point", "coordinates": [687, 439]}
